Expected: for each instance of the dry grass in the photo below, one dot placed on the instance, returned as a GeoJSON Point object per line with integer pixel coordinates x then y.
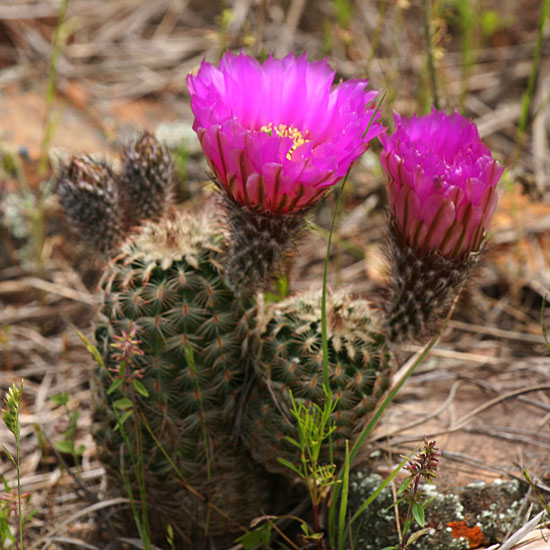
{"type": "Point", "coordinates": [484, 392]}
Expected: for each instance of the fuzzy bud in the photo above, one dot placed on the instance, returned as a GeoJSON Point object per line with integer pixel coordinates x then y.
{"type": "Point", "coordinates": [147, 179]}
{"type": "Point", "coordinates": [260, 242]}
{"type": "Point", "coordinates": [89, 195]}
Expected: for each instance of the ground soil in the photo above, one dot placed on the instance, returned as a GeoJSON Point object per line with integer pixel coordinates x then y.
{"type": "Point", "coordinates": [484, 392]}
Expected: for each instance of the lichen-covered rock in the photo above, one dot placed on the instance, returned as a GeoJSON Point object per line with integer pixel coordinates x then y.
{"type": "Point", "coordinates": [479, 514]}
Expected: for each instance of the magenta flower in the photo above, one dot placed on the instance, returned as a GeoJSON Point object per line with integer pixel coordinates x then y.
{"type": "Point", "coordinates": [274, 133]}
{"type": "Point", "coordinates": [441, 183]}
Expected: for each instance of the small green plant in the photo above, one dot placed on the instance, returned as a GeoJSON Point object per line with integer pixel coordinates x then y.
{"type": "Point", "coordinates": [543, 324]}
{"type": "Point", "coordinates": [50, 122]}
{"type": "Point", "coordinates": [475, 25]}
{"type": "Point", "coordinates": [22, 214]}
{"type": "Point", "coordinates": [180, 158]}
{"type": "Point", "coordinates": [545, 505]}
{"type": "Point", "coordinates": [263, 526]}
{"type": "Point", "coordinates": [529, 93]}
{"type": "Point", "coordinates": [5, 345]}
{"type": "Point", "coordinates": [126, 379]}
{"type": "Point", "coordinates": [427, 21]}
{"type": "Point", "coordinates": [344, 12]}
{"type": "Point", "coordinates": [10, 416]}
{"type": "Point", "coordinates": [281, 290]}
{"type": "Point", "coordinates": [422, 466]}
{"type": "Point", "coordinates": [10, 165]}
{"type": "Point", "coordinates": [314, 427]}
{"type": "Point", "coordinates": [68, 432]}
{"type": "Point", "coordinates": [23, 211]}
{"type": "Point", "coordinates": [258, 537]}
{"type": "Point", "coordinates": [9, 507]}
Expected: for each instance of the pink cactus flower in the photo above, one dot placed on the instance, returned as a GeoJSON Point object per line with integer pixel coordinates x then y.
{"type": "Point", "coordinates": [275, 134]}
{"type": "Point", "coordinates": [441, 183]}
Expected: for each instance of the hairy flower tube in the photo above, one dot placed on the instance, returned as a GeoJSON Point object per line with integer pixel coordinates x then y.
{"type": "Point", "coordinates": [277, 137]}
{"type": "Point", "coordinates": [441, 183]}
{"type": "Point", "coordinates": [442, 193]}
{"type": "Point", "coordinates": [90, 197]}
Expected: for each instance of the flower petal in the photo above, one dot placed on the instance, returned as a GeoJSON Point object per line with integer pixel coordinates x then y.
{"type": "Point", "coordinates": [275, 134]}
{"type": "Point", "coordinates": [445, 174]}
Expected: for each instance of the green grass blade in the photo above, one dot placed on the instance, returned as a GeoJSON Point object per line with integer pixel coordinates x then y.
{"type": "Point", "coordinates": [344, 502]}
{"type": "Point", "coordinates": [49, 125]}
{"type": "Point", "coordinates": [529, 92]}
{"type": "Point", "coordinates": [190, 358]}
{"type": "Point", "coordinates": [417, 360]}
{"type": "Point", "coordinates": [543, 324]}
{"type": "Point", "coordinates": [93, 351]}
{"type": "Point", "coordinates": [324, 334]}
{"type": "Point", "coordinates": [382, 486]}
{"type": "Point", "coordinates": [426, 15]}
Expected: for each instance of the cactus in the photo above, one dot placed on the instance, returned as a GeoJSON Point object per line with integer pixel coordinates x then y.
{"type": "Point", "coordinates": [291, 358]}
{"type": "Point", "coordinates": [167, 286]}
{"type": "Point", "coordinates": [212, 410]}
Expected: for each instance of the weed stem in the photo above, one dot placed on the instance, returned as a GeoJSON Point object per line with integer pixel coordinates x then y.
{"type": "Point", "coordinates": [426, 11]}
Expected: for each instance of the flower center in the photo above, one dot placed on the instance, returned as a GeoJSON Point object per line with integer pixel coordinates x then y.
{"type": "Point", "coordinates": [283, 130]}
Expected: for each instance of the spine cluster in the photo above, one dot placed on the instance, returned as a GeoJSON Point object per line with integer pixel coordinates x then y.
{"type": "Point", "coordinates": [260, 243]}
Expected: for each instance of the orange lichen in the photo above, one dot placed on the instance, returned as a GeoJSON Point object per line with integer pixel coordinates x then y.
{"type": "Point", "coordinates": [473, 535]}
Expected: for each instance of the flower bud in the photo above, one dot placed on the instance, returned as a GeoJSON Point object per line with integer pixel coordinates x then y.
{"type": "Point", "coordinates": [442, 193]}
{"type": "Point", "coordinates": [89, 195]}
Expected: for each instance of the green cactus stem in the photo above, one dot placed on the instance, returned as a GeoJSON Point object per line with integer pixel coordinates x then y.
{"type": "Point", "coordinates": [167, 287]}
{"type": "Point", "coordinates": [291, 359]}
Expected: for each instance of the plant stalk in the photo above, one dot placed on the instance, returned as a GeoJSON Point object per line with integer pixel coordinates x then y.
{"type": "Point", "coordinates": [47, 131]}
{"type": "Point", "coordinates": [426, 13]}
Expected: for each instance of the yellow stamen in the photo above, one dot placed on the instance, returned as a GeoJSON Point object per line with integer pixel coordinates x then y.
{"type": "Point", "coordinates": [283, 130]}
